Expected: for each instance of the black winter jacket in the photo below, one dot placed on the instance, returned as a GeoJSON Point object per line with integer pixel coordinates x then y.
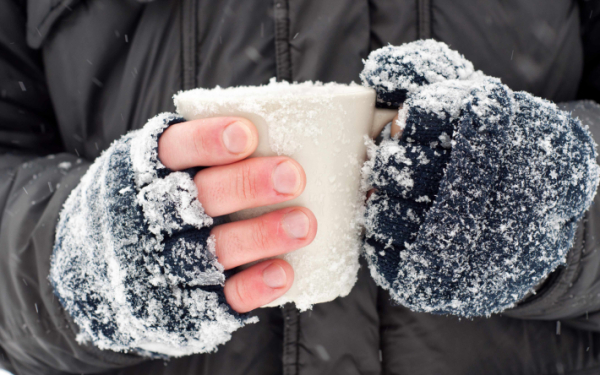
{"type": "Point", "coordinates": [76, 75]}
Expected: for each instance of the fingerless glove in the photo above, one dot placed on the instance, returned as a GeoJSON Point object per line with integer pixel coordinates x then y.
{"type": "Point", "coordinates": [134, 263]}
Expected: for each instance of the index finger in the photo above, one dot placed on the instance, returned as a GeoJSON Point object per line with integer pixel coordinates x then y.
{"type": "Point", "coordinates": [207, 142]}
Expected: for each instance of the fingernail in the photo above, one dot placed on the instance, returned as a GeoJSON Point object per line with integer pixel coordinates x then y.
{"type": "Point", "coordinates": [296, 224]}
{"type": "Point", "coordinates": [286, 178]}
{"type": "Point", "coordinates": [235, 137]}
{"type": "Point", "coordinates": [274, 276]}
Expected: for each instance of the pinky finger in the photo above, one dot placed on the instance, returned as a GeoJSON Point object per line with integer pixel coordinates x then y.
{"type": "Point", "coordinates": [258, 285]}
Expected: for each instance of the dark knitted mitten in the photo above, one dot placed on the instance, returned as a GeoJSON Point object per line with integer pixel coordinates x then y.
{"type": "Point", "coordinates": [479, 198]}
{"type": "Point", "coordinates": [134, 263]}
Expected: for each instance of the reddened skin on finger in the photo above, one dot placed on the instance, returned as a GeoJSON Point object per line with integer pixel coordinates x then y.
{"type": "Point", "coordinates": [249, 183]}
{"type": "Point", "coordinates": [268, 235]}
{"type": "Point", "coordinates": [258, 285]}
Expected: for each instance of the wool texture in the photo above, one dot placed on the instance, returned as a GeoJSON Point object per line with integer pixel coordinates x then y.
{"type": "Point", "coordinates": [396, 71]}
{"type": "Point", "coordinates": [478, 200]}
{"type": "Point", "coordinates": [134, 263]}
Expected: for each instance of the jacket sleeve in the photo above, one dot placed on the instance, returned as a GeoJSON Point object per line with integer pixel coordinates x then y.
{"type": "Point", "coordinates": [36, 176]}
{"type": "Point", "coordinates": [572, 292]}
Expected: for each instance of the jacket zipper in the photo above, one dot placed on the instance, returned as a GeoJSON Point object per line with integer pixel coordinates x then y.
{"type": "Point", "coordinates": [189, 43]}
{"type": "Point", "coordinates": [283, 59]}
{"type": "Point", "coordinates": [291, 330]}
{"type": "Point", "coordinates": [424, 19]}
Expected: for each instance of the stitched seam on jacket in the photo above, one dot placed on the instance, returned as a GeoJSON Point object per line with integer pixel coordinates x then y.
{"type": "Point", "coordinates": [42, 29]}
{"type": "Point", "coordinates": [283, 59]}
{"type": "Point", "coordinates": [13, 178]}
{"type": "Point", "coordinates": [424, 19]}
{"type": "Point", "coordinates": [291, 328]}
{"type": "Point", "coordinates": [188, 43]}
{"type": "Point", "coordinates": [51, 15]}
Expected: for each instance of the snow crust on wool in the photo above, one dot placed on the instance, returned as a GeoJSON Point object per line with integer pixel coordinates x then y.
{"type": "Point", "coordinates": [521, 174]}
{"type": "Point", "coordinates": [112, 269]}
{"type": "Point", "coordinates": [386, 150]}
{"type": "Point", "coordinates": [444, 100]}
{"type": "Point", "coordinates": [144, 150]}
{"type": "Point", "coordinates": [176, 191]}
{"type": "Point", "coordinates": [395, 71]}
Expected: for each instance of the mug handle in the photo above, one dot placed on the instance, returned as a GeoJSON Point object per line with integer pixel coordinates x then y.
{"type": "Point", "coordinates": [381, 117]}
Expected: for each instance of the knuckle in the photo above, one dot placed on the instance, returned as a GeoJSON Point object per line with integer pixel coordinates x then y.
{"type": "Point", "coordinates": [242, 296]}
{"type": "Point", "coordinates": [260, 235]}
{"type": "Point", "coordinates": [201, 141]}
{"type": "Point", "coordinates": [198, 181]}
{"type": "Point", "coordinates": [246, 184]}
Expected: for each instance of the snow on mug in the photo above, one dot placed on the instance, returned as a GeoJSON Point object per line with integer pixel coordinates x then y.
{"type": "Point", "coordinates": [322, 127]}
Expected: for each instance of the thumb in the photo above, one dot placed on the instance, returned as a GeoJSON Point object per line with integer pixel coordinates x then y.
{"type": "Point", "coordinates": [396, 129]}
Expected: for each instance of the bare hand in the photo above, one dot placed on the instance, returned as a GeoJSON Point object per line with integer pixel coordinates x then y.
{"type": "Point", "coordinates": [233, 183]}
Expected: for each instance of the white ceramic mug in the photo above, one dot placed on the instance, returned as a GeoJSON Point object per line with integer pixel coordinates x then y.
{"type": "Point", "coordinates": [322, 127]}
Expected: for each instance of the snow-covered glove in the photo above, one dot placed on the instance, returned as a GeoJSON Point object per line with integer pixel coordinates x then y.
{"type": "Point", "coordinates": [395, 72]}
{"type": "Point", "coordinates": [134, 263]}
{"type": "Point", "coordinates": [477, 201]}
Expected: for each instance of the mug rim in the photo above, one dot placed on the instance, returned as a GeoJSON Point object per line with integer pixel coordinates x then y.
{"type": "Point", "coordinates": [276, 90]}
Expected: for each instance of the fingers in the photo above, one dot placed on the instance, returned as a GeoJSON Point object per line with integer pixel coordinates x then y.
{"type": "Point", "coordinates": [258, 285]}
{"type": "Point", "coordinates": [249, 183]}
{"type": "Point", "coordinates": [369, 193]}
{"type": "Point", "coordinates": [207, 142]}
{"type": "Point", "coordinates": [395, 127]}
{"type": "Point", "coordinates": [272, 234]}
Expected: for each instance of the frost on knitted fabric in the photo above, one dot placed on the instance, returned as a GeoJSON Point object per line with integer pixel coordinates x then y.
{"type": "Point", "coordinates": [396, 71]}
{"type": "Point", "coordinates": [407, 171]}
{"type": "Point", "coordinates": [428, 119]}
{"type": "Point", "coordinates": [134, 263]}
{"type": "Point", "coordinates": [521, 174]}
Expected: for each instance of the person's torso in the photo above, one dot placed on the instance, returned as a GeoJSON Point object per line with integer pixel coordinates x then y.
{"type": "Point", "coordinates": [112, 64]}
